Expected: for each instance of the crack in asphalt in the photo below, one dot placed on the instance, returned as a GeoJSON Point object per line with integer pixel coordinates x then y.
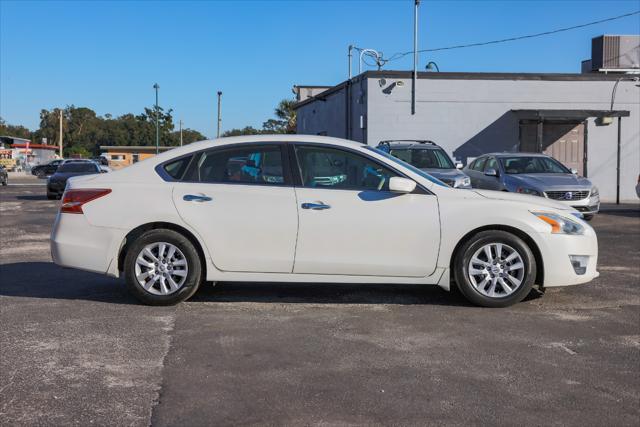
{"type": "Point", "coordinates": [158, 392]}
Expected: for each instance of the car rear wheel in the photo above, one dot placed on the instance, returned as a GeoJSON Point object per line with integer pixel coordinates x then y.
{"type": "Point", "coordinates": [162, 267]}
{"type": "Point", "coordinates": [495, 269]}
{"type": "Point", "coordinates": [587, 217]}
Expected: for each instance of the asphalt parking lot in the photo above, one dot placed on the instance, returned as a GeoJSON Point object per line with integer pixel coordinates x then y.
{"type": "Point", "coordinates": [76, 349]}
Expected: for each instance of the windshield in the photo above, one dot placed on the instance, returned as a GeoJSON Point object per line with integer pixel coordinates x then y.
{"type": "Point", "coordinates": [519, 165]}
{"type": "Point", "coordinates": [78, 167]}
{"type": "Point", "coordinates": [424, 158]}
{"type": "Point", "coordinates": [408, 166]}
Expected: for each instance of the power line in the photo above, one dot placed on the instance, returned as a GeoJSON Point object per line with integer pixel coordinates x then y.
{"type": "Point", "coordinates": [510, 39]}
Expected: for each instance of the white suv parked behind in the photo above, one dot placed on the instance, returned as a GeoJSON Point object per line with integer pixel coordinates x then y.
{"type": "Point", "coordinates": [297, 208]}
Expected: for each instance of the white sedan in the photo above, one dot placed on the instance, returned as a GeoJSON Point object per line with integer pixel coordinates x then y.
{"type": "Point", "coordinates": [298, 208]}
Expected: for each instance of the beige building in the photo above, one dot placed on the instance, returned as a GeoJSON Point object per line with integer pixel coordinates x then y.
{"type": "Point", "coordinates": [122, 156]}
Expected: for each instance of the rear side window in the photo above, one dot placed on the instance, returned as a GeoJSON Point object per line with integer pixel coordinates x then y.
{"type": "Point", "coordinates": [176, 168]}
{"type": "Point", "coordinates": [250, 165]}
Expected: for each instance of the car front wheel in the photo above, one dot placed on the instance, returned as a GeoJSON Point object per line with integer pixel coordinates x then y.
{"type": "Point", "coordinates": [162, 267]}
{"type": "Point", "coordinates": [495, 269]}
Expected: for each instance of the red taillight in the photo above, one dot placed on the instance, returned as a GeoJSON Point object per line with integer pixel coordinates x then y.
{"type": "Point", "coordinates": [74, 199]}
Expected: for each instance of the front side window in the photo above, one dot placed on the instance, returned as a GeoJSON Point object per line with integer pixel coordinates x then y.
{"type": "Point", "coordinates": [491, 164]}
{"type": "Point", "coordinates": [478, 164]}
{"type": "Point", "coordinates": [333, 168]}
{"type": "Point", "coordinates": [250, 165]}
{"type": "Point", "coordinates": [518, 165]}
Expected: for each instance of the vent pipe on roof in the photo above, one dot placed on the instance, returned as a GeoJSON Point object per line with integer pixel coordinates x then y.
{"type": "Point", "coordinates": [415, 55]}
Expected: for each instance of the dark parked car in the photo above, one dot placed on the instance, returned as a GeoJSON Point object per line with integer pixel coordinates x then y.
{"type": "Point", "coordinates": [47, 169]}
{"type": "Point", "coordinates": [4, 176]}
{"type": "Point", "coordinates": [537, 175]}
{"type": "Point", "coordinates": [58, 181]}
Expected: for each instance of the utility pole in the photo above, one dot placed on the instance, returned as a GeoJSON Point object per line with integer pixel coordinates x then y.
{"type": "Point", "coordinates": [156, 87]}
{"type": "Point", "coordinates": [180, 132]}
{"type": "Point", "coordinates": [349, 55]}
{"type": "Point", "coordinates": [219, 114]}
{"type": "Point", "coordinates": [61, 134]}
{"type": "Point", "coordinates": [415, 56]}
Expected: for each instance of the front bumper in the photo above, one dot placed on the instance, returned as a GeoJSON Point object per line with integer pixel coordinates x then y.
{"type": "Point", "coordinates": [556, 249]}
{"type": "Point", "coordinates": [587, 206]}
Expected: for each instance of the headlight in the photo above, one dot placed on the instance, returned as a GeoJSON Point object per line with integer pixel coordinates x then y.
{"type": "Point", "coordinates": [464, 182]}
{"type": "Point", "coordinates": [595, 192]}
{"type": "Point", "coordinates": [560, 224]}
{"type": "Point", "coordinates": [530, 191]}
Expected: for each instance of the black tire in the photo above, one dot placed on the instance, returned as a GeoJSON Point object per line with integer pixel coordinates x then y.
{"type": "Point", "coordinates": [193, 278]}
{"type": "Point", "coordinates": [587, 217]}
{"type": "Point", "coordinates": [40, 174]}
{"type": "Point", "coordinates": [468, 249]}
{"type": "Point", "coordinates": [52, 196]}
{"type": "Point", "coordinates": [4, 182]}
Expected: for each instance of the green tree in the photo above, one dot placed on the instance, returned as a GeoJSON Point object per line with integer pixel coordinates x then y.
{"type": "Point", "coordinates": [287, 114]}
{"type": "Point", "coordinates": [13, 130]}
{"type": "Point", "coordinates": [247, 130]}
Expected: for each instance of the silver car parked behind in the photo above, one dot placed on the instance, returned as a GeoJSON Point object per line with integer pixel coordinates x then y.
{"type": "Point", "coordinates": [428, 157]}
{"type": "Point", "coordinates": [535, 174]}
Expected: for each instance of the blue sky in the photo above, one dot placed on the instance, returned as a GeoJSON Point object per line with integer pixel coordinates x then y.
{"type": "Point", "coordinates": [107, 55]}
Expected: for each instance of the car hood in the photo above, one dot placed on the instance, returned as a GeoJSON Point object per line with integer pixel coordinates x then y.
{"type": "Point", "coordinates": [552, 181]}
{"type": "Point", "coordinates": [535, 202]}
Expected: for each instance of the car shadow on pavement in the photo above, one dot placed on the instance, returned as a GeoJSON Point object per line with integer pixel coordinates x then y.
{"type": "Point", "coordinates": [32, 197]}
{"type": "Point", "coordinates": [49, 281]}
{"type": "Point", "coordinates": [327, 293]}
{"type": "Point", "coordinates": [625, 212]}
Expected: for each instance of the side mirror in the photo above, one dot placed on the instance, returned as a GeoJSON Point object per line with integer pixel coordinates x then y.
{"type": "Point", "coordinates": [459, 165]}
{"type": "Point", "coordinates": [574, 171]}
{"type": "Point", "coordinates": [401, 185]}
{"type": "Point", "coordinates": [491, 172]}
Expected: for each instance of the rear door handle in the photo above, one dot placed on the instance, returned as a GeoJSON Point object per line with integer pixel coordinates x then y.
{"type": "Point", "coordinates": [196, 198]}
{"type": "Point", "coordinates": [315, 206]}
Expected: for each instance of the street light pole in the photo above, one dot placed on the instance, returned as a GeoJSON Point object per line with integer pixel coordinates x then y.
{"type": "Point", "coordinates": [415, 56]}
{"type": "Point", "coordinates": [219, 114]}
{"type": "Point", "coordinates": [180, 132]}
{"type": "Point", "coordinates": [61, 134]}
{"type": "Point", "coordinates": [156, 87]}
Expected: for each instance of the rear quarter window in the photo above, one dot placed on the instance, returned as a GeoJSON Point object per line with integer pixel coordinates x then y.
{"type": "Point", "coordinates": [176, 168]}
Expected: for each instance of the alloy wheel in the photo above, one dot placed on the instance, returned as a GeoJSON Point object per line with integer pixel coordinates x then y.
{"type": "Point", "coordinates": [496, 270]}
{"type": "Point", "coordinates": [161, 268]}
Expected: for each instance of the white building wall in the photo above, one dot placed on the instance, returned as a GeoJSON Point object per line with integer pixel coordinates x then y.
{"type": "Point", "coordinates": [472, 117]}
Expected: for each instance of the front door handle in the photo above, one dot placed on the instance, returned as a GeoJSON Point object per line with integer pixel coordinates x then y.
{"type": "Point", "coordinates": [196, 198]}
{"type": "Point", "coordinates": [315, 206]}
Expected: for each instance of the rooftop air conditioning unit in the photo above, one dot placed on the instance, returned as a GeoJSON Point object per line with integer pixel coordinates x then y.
{"type": "Point", "coordinates": [615, 53]}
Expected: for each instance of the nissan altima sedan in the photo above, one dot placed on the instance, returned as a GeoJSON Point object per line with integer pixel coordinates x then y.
{"type": "Point", "coordinates": [537, 175]}
{"type": "Point", "coordinates": [297, 208]}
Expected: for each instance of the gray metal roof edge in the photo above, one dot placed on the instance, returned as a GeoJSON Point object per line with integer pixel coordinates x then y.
{"type": "Point", "coordinates": [462, 76]}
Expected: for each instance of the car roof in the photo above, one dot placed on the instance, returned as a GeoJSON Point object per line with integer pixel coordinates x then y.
{"type": "Point", "coordinates": [410, 143]}
{"type": "Point", "coordinates": [516, 154]}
